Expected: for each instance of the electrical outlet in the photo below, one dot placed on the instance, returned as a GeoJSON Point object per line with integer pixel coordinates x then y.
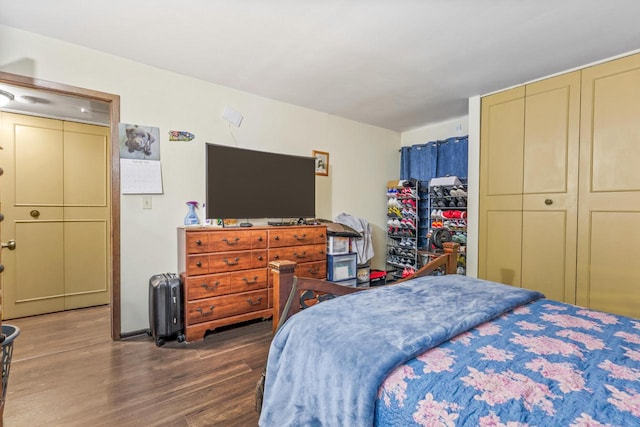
{"type": "Point", "coordinates": [146, 202]}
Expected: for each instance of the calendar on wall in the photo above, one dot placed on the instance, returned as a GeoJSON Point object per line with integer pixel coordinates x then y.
{"type": "Point", "coordinates": [140, 176]}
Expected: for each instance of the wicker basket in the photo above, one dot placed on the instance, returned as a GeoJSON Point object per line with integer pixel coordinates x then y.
{"type": "Point", "coordinates": [9, 334]}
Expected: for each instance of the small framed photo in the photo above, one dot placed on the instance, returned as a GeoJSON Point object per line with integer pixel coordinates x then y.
{"type": "Point", "coordinates": [322, 162]}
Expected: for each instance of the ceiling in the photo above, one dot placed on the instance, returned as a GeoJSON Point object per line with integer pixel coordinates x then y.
{"type": "Point", "coordinates": [395, 64]}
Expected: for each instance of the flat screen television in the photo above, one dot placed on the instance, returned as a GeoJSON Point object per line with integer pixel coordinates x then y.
{"type": "Point", "coordinates": [244, 184]}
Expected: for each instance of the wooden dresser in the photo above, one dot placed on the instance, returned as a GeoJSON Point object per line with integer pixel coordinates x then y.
{"type": "Point", "coordinates": [225, 274]}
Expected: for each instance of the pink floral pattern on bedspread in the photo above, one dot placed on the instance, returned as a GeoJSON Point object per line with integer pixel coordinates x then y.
{"type": "Point", "coordinates": [544, 363]}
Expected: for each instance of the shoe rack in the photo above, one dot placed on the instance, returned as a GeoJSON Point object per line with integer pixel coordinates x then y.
{"type": "Point", "coordinates": [448, 210]}
{"type": "Point", "coordinates": [402, 230]}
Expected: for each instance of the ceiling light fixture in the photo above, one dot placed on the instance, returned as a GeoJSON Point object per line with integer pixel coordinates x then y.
{"type": "Point", "coordinates": [5, 98]}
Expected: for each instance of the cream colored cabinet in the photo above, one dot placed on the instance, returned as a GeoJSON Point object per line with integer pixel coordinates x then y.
{"type": "Point", "coordinates": [609, 211]}
{"type": "Point", "coordinates": [528, 186]}
{"type": "Point", "coordinates": [573, 144]}
{"type": "Point", "coordinates": [54, 195]}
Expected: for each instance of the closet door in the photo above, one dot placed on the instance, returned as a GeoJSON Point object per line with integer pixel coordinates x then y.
{"type": "Point", "coordinates": [54, 195]}
{"type": "Point", "coordinates": [31, 194]}
{"type": "Point", "coordinates": [528, 186]}
{"type": "Point", "coordinates": [550, 186]}
{"type": "Point", "coordinates": [608, 275]}
{"type": "Point", "coordinates": [500, 215]}
{"type": "Point", "coordinates": [86, 215]}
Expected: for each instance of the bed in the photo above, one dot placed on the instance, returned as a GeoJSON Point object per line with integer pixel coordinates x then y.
{"type": "Point", "coordinates": [446, 350]}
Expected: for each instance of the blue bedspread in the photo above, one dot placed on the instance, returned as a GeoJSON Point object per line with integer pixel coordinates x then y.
{"type": "Point", "coordinates": [543, 364]}
{"type": "Point", "coordinates": [326, 363]}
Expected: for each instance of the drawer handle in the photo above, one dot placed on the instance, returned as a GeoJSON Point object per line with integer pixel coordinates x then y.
{"type": "Point", "coordinates": [314, 271]}
{"type": "Point", "coordinates": [303, 237]}
{"type": "Point", "coordinates": [548, 202]}
{"type": "Point", "coordinates": [256, 302]}
{"type": "Point", "coordinates": [321, 235]}
{"type": "Point", "coordinates": [235, 262]}
{"type": "Point", "coordinates": [205, 313]}
{"type": "Point", "coordinates": [199, 242]}
{"type": "Point", "coordinates": [235, 241]}
{"type": "Point", "coordinates": [206, 286]}
{"type": "Point", "coordinates": [276, 257]}
{"type": "Point", "coordinates": [199, 264]}
{"type": "Point", "coordinates": [260, 258]}
{"type": "Point", "coordinates": [300, 256]}
{"type": "Point", "coordinates": [277, 238]}
{"type": "Point", "coordinates": [251, 282]}
{"type": "Point", "coordinates": [260, 239]}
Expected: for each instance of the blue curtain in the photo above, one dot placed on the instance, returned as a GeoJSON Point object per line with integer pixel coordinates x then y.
{"type": "Point", "coordinates": [431, 160]}
{"type": "Point", "coordinates": [435, 158]}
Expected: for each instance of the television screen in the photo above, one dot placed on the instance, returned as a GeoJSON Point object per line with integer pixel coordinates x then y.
{"type": "Point", "coordinates": [244, 184]}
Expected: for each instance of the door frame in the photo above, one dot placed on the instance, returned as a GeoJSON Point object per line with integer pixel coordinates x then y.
{"type": "Point", "coordinates": [114, 110]}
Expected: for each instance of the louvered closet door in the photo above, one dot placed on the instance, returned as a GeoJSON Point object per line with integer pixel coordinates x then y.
{"type": "Point", "coordinates": [550, 186]}
{"type": "Point", "coordinates": [609, 219]}
{"type": "Point", "coordinates": [500, 214]}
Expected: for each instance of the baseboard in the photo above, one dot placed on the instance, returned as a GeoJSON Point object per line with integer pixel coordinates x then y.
{"type": "Point", "coordinates": [125, 335]}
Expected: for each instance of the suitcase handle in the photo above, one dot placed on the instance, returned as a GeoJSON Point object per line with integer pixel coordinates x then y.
{"type": "Point", "coordinates": [206, 286]}
{"type": "Point", "coordinates": [205, 313]}
{"type": "Point", "coordinates": [256, 302]}
{"type": "Point", "coordinates": [251, 282]}
{"type": "Point", "coordinates": [226, 261]}
{"type": "Point", "coordinates": [235, 242]}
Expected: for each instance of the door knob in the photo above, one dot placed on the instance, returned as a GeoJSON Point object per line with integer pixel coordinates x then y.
{"type": "Point", "coordinates": [11, 245]}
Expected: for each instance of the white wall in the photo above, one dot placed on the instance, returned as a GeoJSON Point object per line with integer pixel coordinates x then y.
{"type": "Point", "coordinates": [362, 157]}
{"type": "Point", "coordinates": [436, 131]}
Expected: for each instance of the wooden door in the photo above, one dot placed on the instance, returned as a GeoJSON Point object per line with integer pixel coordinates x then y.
{"type": "Point", "coordinates": [86, 215]}
{"type": "Point", "coordinates": [608, 274]}
{"type": "Point", "coordinates": [550, 186]}
{"type": "Point", "coordinates": [59, 225]}
{"type": "Point", "coordinates": [500, 213]}
{"type": "Point", "coordinates": [528, 186]}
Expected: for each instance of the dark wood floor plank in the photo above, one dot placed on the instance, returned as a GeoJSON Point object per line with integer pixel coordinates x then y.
{"type": "Point", "coordinates": [67, 371]}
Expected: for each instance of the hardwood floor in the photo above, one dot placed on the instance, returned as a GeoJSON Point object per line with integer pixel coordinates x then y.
{"type": "Point", "coordinates": [66, 371]}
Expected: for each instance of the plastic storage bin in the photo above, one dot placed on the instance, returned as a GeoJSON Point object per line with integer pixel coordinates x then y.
{"type": "Point", "coordinates": [337, 245]}
{"type": "Point", "coordinates": [341, 267]}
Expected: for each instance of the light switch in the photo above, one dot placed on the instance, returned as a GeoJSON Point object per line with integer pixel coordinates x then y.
{"type": "Point", "coordinates": [146, 202]}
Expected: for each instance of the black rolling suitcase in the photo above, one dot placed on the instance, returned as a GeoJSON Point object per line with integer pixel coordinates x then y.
{"type": "Point", "coordinates": [165, 308]}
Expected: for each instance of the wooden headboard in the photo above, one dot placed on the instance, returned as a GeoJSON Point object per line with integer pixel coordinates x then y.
{"type": "Point", "coordinates": [283, 281]}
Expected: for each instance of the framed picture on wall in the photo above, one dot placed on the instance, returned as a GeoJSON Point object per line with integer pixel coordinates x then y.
{"type": "Point", "coordinates": [322, 162]}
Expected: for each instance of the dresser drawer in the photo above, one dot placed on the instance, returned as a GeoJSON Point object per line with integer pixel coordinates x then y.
{"type": "Point", "coordinates": [248, 280]}
{"type": "Point", "coordinates": [224, 306]}
{"type": "Point", "coordinates": [315, 270]}
{"type": "Point", "coordinates": [229, 261]}
{"type": "Point", "coordinates": [307, 253]}
{"type": "Point", "coordinates": [223, 241]}
{"type": "Point", "coordinates": [259, 239]}
{"type": "Point", "coordinates": [296, 236]}
{"type": "Point", "coordinates": [197, 265]}
{"type": "Point", "coordinates": [207, 286]}
{"type": "Point", "coordinates": [197, 242]}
